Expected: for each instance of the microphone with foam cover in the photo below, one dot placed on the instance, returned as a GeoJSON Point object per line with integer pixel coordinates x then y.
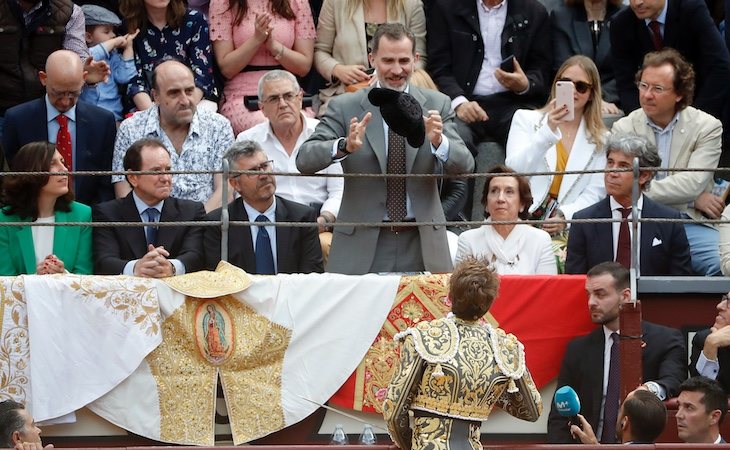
{"type": "Point", "coordinates": [567, 402]}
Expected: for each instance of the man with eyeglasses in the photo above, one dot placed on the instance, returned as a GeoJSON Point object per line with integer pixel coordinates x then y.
{"type": "Point", "coordinates": [684, 25]}
{"type": "Point", "coordinates": [195, 137]}
{"type": "Point", "coordinates": [711, 348]}
{"type": "Point", "coordinates": [686, 138]}
{"type": "Point", "coordinates": [262, 249]}
{"type": "Point", "coordinates": [280, 136]}
{"type": "Point", "coordinates": [83, 133]}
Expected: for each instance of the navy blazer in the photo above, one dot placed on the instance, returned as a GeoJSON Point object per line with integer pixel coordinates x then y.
{"type": "Point", "coordinates": [664, 249]}
{"type": "Point", "coordinates": [723, 358]}
{"type": "Point", "coordinates": [456, 48]}
{"type": "Point", "coordinates": [664, 360]}
{"type": "Point", "coordinates": [572, 35]}
{"type": "Point", "coordinates": [96, 130]}
{"type": "Point", "coordinates": [114, 247]}
{"type": "Point", "coordinates": [690, 30]}
{"type": "Point", "coordinates": [297, 248]}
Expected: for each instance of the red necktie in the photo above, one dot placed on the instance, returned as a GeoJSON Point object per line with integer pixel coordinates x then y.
{"type": "Point", "coordinates": [623, 250]}
{"type": "Point", "coordinates": [63, 141]}
{"type": "Point", "coordinates": [656, 35]}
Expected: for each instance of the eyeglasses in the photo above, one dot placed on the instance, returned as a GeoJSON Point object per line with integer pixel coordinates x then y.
{"type": "Point", "coordinates": [657, 88]}
{"type": "Point", "coordinates": [267, 166]}
{"type": "Point", "coordinates": [288, 97]}
{"type": "Point", "coordinates": [580, 86]}
{"type": "Point", "coordinates": [73, 95]}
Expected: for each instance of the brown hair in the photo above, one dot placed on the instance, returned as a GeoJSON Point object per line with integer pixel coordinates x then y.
{"type": "Point", "coordinates": [647, 415]}
{"type": "Point", "coordinates": [21, 192]}
{"type": "Point", "coordinates": [592, 111]}
{"type": "Point", "coordinates": [684, 74]}
{"type": "Point", "coordinates": [135, 13]}
{"type": "Point", "coordinates": [394, 32]}
{"type": "Point", "coordinates": [472, 288]}
{"type": "Point", "coordinates": [279, 7]}
{"type": "Point", "coordinates": [523, 187]}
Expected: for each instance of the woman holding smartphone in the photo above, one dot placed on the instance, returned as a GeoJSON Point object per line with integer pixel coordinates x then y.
{"type": "Point", "coordinates": [548, 140]}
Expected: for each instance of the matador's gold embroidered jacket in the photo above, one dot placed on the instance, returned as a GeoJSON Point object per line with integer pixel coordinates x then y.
{"type": "Point", "coordinates": [458, 369]}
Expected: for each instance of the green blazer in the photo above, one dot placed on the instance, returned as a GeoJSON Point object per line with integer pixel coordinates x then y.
{"type": "Point", "coordinates": [72, 245]}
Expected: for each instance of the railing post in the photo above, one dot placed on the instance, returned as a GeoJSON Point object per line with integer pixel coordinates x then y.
{"type": "Point", "coordinates": [635, 193]}
{"type": "Point", "coordinates": [224, 212]}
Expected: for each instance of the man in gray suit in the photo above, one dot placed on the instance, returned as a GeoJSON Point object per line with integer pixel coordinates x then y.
{"type": "Point", "coordinates": [354, 133]}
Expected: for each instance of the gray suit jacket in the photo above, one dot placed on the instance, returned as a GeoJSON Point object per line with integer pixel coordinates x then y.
{"type": "Point", "coordinates": [353, 248]}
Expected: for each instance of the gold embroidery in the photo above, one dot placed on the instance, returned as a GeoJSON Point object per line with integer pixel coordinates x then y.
{"type": "Point", "coordinates": [251, 376]}
{"type": "Point", "coordinates": [133, 301]}
{"type": "Point", "coordinates": [227, 279]}
{"type": "Point", "coordinates": [15, 347]}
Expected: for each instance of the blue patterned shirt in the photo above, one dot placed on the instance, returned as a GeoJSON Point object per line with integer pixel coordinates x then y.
{"type": "Point", "coordinates": [209, 137]}
{"type": "Point", "coordinates": [190, 44]}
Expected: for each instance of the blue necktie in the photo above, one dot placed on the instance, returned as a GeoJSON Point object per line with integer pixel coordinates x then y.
{"type": "Point", "coordinates": [264, 257]}
{"type": "Point", "coordinates": [153, 216]}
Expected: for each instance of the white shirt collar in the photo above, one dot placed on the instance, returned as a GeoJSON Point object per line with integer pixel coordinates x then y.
{"type": "Point", "coordinates": [616, 205]}
{"type": "Point", "coordinates": [253, 213]}
{"type": "Point", "coordinates": [142, 206]}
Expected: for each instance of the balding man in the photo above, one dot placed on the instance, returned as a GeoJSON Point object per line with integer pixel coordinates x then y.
{"type": "Point", "coordinates": [83, 133]}
{"type": "Point", "coordinates": [195, 138]}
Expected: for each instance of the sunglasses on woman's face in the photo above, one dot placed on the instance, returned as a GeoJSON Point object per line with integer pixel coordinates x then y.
{"type": "Point", "coordinates": [581, 86]}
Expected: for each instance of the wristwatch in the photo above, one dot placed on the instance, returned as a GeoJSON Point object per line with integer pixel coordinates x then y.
{"type": "Point", "coordinates": [342, 146]}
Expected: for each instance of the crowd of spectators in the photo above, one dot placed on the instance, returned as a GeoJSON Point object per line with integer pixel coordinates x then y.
{"type": "Point", "coordinates": [193, 77]}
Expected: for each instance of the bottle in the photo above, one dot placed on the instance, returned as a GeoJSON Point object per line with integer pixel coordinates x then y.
{"type": "Point", "coordinates": [367, 437]}
{"type": "Point", "coordinates": [338, 436]}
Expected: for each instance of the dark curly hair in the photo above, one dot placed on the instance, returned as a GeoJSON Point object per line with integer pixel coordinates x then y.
{"type": "Point", "coordinates": [472, 288]}
{"type": "Point", "coordinates": [523, 188]}
{"type": "Point", "coordinates": [21, 192]}
{"type": "Point", "coordinates": [684, 74]}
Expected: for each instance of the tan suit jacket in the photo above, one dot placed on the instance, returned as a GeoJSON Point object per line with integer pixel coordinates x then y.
{"type": "Point", "coordinates": [342, 40]}
{"type": "Point", "coordinates": [695, 144]}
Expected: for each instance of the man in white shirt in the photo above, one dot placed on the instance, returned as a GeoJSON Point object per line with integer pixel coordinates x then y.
{"type": "Point", "coordinates": [685, 138]}
{"type": "Point", "coordinates": [280, 100]}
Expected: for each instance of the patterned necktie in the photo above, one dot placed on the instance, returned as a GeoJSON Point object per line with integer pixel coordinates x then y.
{"type": "Point", "coordinates": [63, 141]}
{"type": "Point", "coordinates": [395, 201]}
{"type": "Point", "coordinates": [623, 249]}
{"type": "Point", "coordinates": [264, 257]}
{"type": "Point", "coordinates": [656, 35]}
{"type": "Point", "coordinates": [153, 216]}
{"type": "Point", "coordinates": [610, 408]}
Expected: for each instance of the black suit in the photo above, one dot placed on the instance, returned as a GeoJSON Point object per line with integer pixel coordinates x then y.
{"type": "Point", "coordinates": [664, 361]}
{"type": "Point", "coordinates": [723, 358]}
{"type": "Point", "coordinates": [572, 35]}
{"type": "Point", "coordinates": [297, 248]}
{"type": "Point", "coordinates": [96, 130]}
{"type": "Point", "coordinates": [114, 247]}
{"type": "Point", "coordinates": [456, 53]}
{"type": "Point", "coordinates": [663, 248]}
{"type": "Point", "coordinates": [690, 30]}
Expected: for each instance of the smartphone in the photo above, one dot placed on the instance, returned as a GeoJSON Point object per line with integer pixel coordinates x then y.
{"type": "Point", "coordinates": [369, 71]}
{"type": "Point", "coordinates": [508, 64]}
{"type": "Point", "coordinates": [564, 96]}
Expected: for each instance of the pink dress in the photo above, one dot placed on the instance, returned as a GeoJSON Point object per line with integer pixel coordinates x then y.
{"type": "Point", "coordinates": [246, 83]}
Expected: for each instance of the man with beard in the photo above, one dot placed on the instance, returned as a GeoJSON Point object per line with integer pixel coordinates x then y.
{"type": "Point", "coordinates": [149, 251]}
{"type": "Point", "coordinates": [195, 138]}
{"type": "Point", "coordinates": [354, 133]}
{"type": "Point", "coordinates": [590, 364]}
{"type": "Point", "coordinates": [262, 249]}
{"type": "Point", "coordinates": [711, 348]}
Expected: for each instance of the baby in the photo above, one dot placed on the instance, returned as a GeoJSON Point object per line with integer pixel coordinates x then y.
{"type": "Point", "coordinates": [103, 44]}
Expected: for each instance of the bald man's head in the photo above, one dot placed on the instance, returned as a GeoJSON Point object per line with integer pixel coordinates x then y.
{"type": "Point", "coordinates": [173, 89]}
{"type": "Point", "coordinates": [63, 78]}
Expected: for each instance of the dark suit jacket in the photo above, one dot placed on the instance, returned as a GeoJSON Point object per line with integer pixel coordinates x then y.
{"type": "Point", "coordinates": [96, 130]}
{"type": "Point", "coordinates": [297, 248]}
{"type": "Point", "coordinates": [572, 35]}
{"type": "Point", "coordinates": [723, 357]}
{"type": "Point", "coordinates": [664, 361]}
{"type": "Point", "coordinates": [456, 49]}
{"type": "Point", "coordinates": [690, 30]}
{"type": "Point", "coordinates": [114, 247]}
{"type": "Point", "coordinates": [592, 243]}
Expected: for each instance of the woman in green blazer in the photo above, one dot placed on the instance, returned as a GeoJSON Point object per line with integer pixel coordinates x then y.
{"type": "Point", "coordinates": [43, 199]}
